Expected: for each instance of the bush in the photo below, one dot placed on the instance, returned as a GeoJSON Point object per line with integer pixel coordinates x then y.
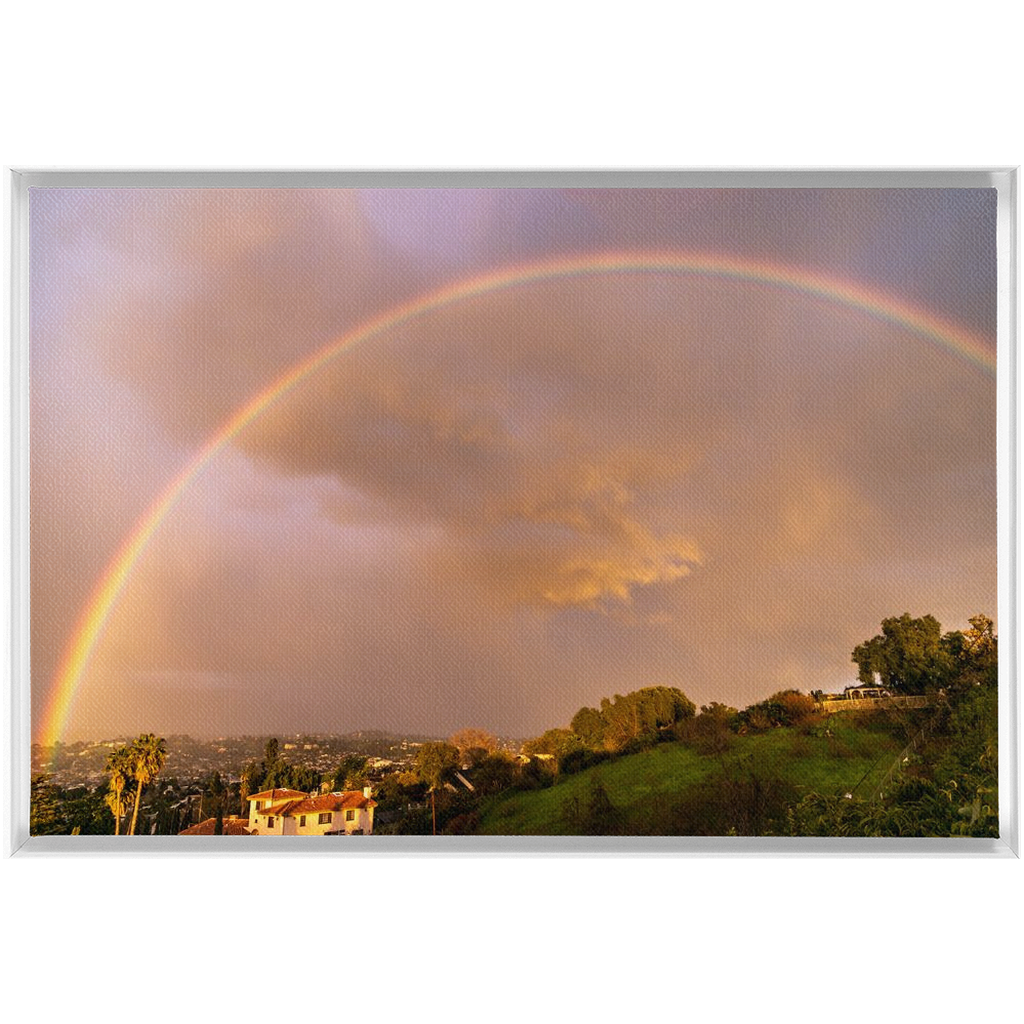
{"type": "Point", "coordinates": [463, 824]}
{"type": "Point", "coordinates": [597, 816]}
{"type": "Point", "coordinates": [711, 732]}
{"type": "Point", "coordinates": [579, 760]}
{"type": "Point", "coordinates": [798, 707]}
{"type": "Point", "coordinates": [734, 803]}
{"type": "Point", "coordinates": [494, 773]}
{"type": "Point", "coordinates": [788, 707]}
{"type": "Point", "coordinates": [536, 774]}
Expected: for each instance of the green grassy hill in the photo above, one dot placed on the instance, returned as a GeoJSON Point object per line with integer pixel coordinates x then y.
{"type": "Point", "coordinates": [671, 789]}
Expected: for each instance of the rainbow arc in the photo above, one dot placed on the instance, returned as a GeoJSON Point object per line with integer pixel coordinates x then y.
{"type": "Point", "coordinates": [96, 613]}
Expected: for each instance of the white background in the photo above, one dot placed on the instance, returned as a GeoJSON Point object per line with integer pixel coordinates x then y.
{"type": "Point", "coordinates": [638, 85]}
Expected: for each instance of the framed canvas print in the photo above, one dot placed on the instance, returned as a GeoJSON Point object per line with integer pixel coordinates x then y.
{"type": "Point", "coordinates": [363, 513]}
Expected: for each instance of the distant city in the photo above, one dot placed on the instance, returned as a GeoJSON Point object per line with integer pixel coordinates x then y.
{"type": "Point", "coordinates": [83, 763]}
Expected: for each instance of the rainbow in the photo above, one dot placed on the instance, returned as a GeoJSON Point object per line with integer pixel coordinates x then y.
{"type": "Point", "coordinates": [90, 626]}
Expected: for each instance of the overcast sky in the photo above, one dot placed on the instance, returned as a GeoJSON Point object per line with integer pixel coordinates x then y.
{"type": "Point", "coordinates": [520, 503]}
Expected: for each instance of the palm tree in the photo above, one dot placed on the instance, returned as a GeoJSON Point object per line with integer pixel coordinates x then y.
{"type": "Point", "coordinates": [119, 765]}
{"type": "Point", "coordinates": [147, 758]}
{"type": "Point", "coordinates": [433, 761]}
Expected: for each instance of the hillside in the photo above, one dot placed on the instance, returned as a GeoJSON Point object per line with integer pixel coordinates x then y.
{"type": "Point", "coordinates": [671, 789]}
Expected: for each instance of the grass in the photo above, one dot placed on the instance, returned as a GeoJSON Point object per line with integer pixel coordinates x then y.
{"type": "Point", "coordinates": [648, 783]}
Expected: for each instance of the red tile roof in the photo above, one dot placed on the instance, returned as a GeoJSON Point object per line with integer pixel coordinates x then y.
{"type": "Point", "coordinates": [232, 827]}
{"type": "Point", "coordinates": [312, 805]}
{"type": "Point", "coordinates": [278, 794]}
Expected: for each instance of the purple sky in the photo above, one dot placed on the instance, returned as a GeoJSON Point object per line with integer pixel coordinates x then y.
{"type": "Point", "coordinates": [519, 504]}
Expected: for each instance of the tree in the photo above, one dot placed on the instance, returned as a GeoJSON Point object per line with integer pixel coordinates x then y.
{"type": "Point", "coordinates": [250, 783]}
{"type": "Point", "coordinates": [588, 724]}
{"type": "Point", "coordinates": [272, 767]}
{"type": "Point", "coordinates": [45, 818]}
{"type": "Point", "coordinates": [494, 773]}
{"type": "Point", "coordinates": [119, 768]}
{"type": "Point", "coordinates": [797, 707]}
{"type": "Point", "coordinates": [641, 715]}
{"type": "Point", "coordinates": [433, 762]}
{"type": "Point", "coordinates": [350, 773]}
{"type": "Point", "coordinates": [711, 732]}
{"type": "Point", "coordinates": [474, 739]}
{"type": "Point", "coordinates": [555, 742]}
{"type": "Point", "coordinates": [148, 754]}
{"type": "Point", "coordinates": [908, 656]}
{"type": "Point", "coordinates": [977, 660]}
{"type": "Point", "coordinates": [271, 753]}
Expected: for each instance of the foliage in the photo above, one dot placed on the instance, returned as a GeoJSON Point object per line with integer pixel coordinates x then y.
{"type": "Point", "coordinates": [660, 791]}
{"type": "Point", "coordinates": [494, 773]}
{"type": "Point", "coordinates": [85, 810]}
{"type": "Point", "coordinates": [711, 732]}
{"type": "Point", "coordinates": [399, 789]}
{"type": "Point", "coordinates": [951, 789]}
{"type": "Point", "coordinates": [473, 740]}
{"type": "Point", "coordinates": [589, 725]}
{"type": "Point", "coordinates": [77, 811]}
{"type": "Point", "coordinates": [798, 707]}
{"type": "Point", "coordinates": [120, 766]}
{"type": "Point", "coordinates": [743, 799]}
{"type": "Point", "coordinates": [350, 774]}
{"type": "Point", "coordinates": [46, 817]}
{"type": "Point", "coordinates": [434, 761]}
{"type": "Point", "coordinates": [554, 743]}
{"type": "Point", "coordinates": [908, 656]}
{"type": "Point", "coordinates": [974, 654]}
{"type": "Point", "coordinates": [788, 707]}
{"type": "Point", "coordinates": [594, 816]}
{"type": "Point", "coordinates": [644, 713]}
{"type": "Point", "coordinates": [536, 774]}
{"type": "Point", "coordinates": [579, 759]}
{"type": "Point", "coordinates": [147, 755]}
{"type": "Point", "coordinates": [275, 772]}
{"type": "Point", "coordinates": [251, 777]}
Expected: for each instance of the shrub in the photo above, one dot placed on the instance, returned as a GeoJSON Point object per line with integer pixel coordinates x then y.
{"type": "Point", "coordinates": [594, 816]}
{"type": "Point", "coordinates": [536, 774]}
{"type": "Point", "coordinates": [711, 732]}
{"type": "Point", "coordinates": [798, 707]}
{"type": "Point", "coordinates": [579, 760]}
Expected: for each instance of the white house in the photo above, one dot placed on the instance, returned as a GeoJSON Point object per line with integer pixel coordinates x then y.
{"type": "Point", "coordinates": [286, 812]}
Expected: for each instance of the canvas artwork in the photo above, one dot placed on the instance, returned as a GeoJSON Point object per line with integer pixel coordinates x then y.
{"type": "Point", "coordinates": [391, 512]}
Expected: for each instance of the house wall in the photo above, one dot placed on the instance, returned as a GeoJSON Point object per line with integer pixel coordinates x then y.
{"type": "Point", "coordinates": [263, 828]}
{"type": "Point", "coordinates": [313, 826]}
{"type": "Point", "coordinates": [254, 815]}
{"type": "Point", "coordinates": [363, 820]}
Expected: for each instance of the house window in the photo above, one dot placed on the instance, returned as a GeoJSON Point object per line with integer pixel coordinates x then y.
{"type": "Point", "coordinates": [325, 818]}
{"type": "Point", "coordinates": [259, 805]}
{"type": "Point", "coordinates": [302, 821]}
{"type": "Point", "coordinates": [270, 822]}
{"type": "Point", "coordinates": [350, 815]}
